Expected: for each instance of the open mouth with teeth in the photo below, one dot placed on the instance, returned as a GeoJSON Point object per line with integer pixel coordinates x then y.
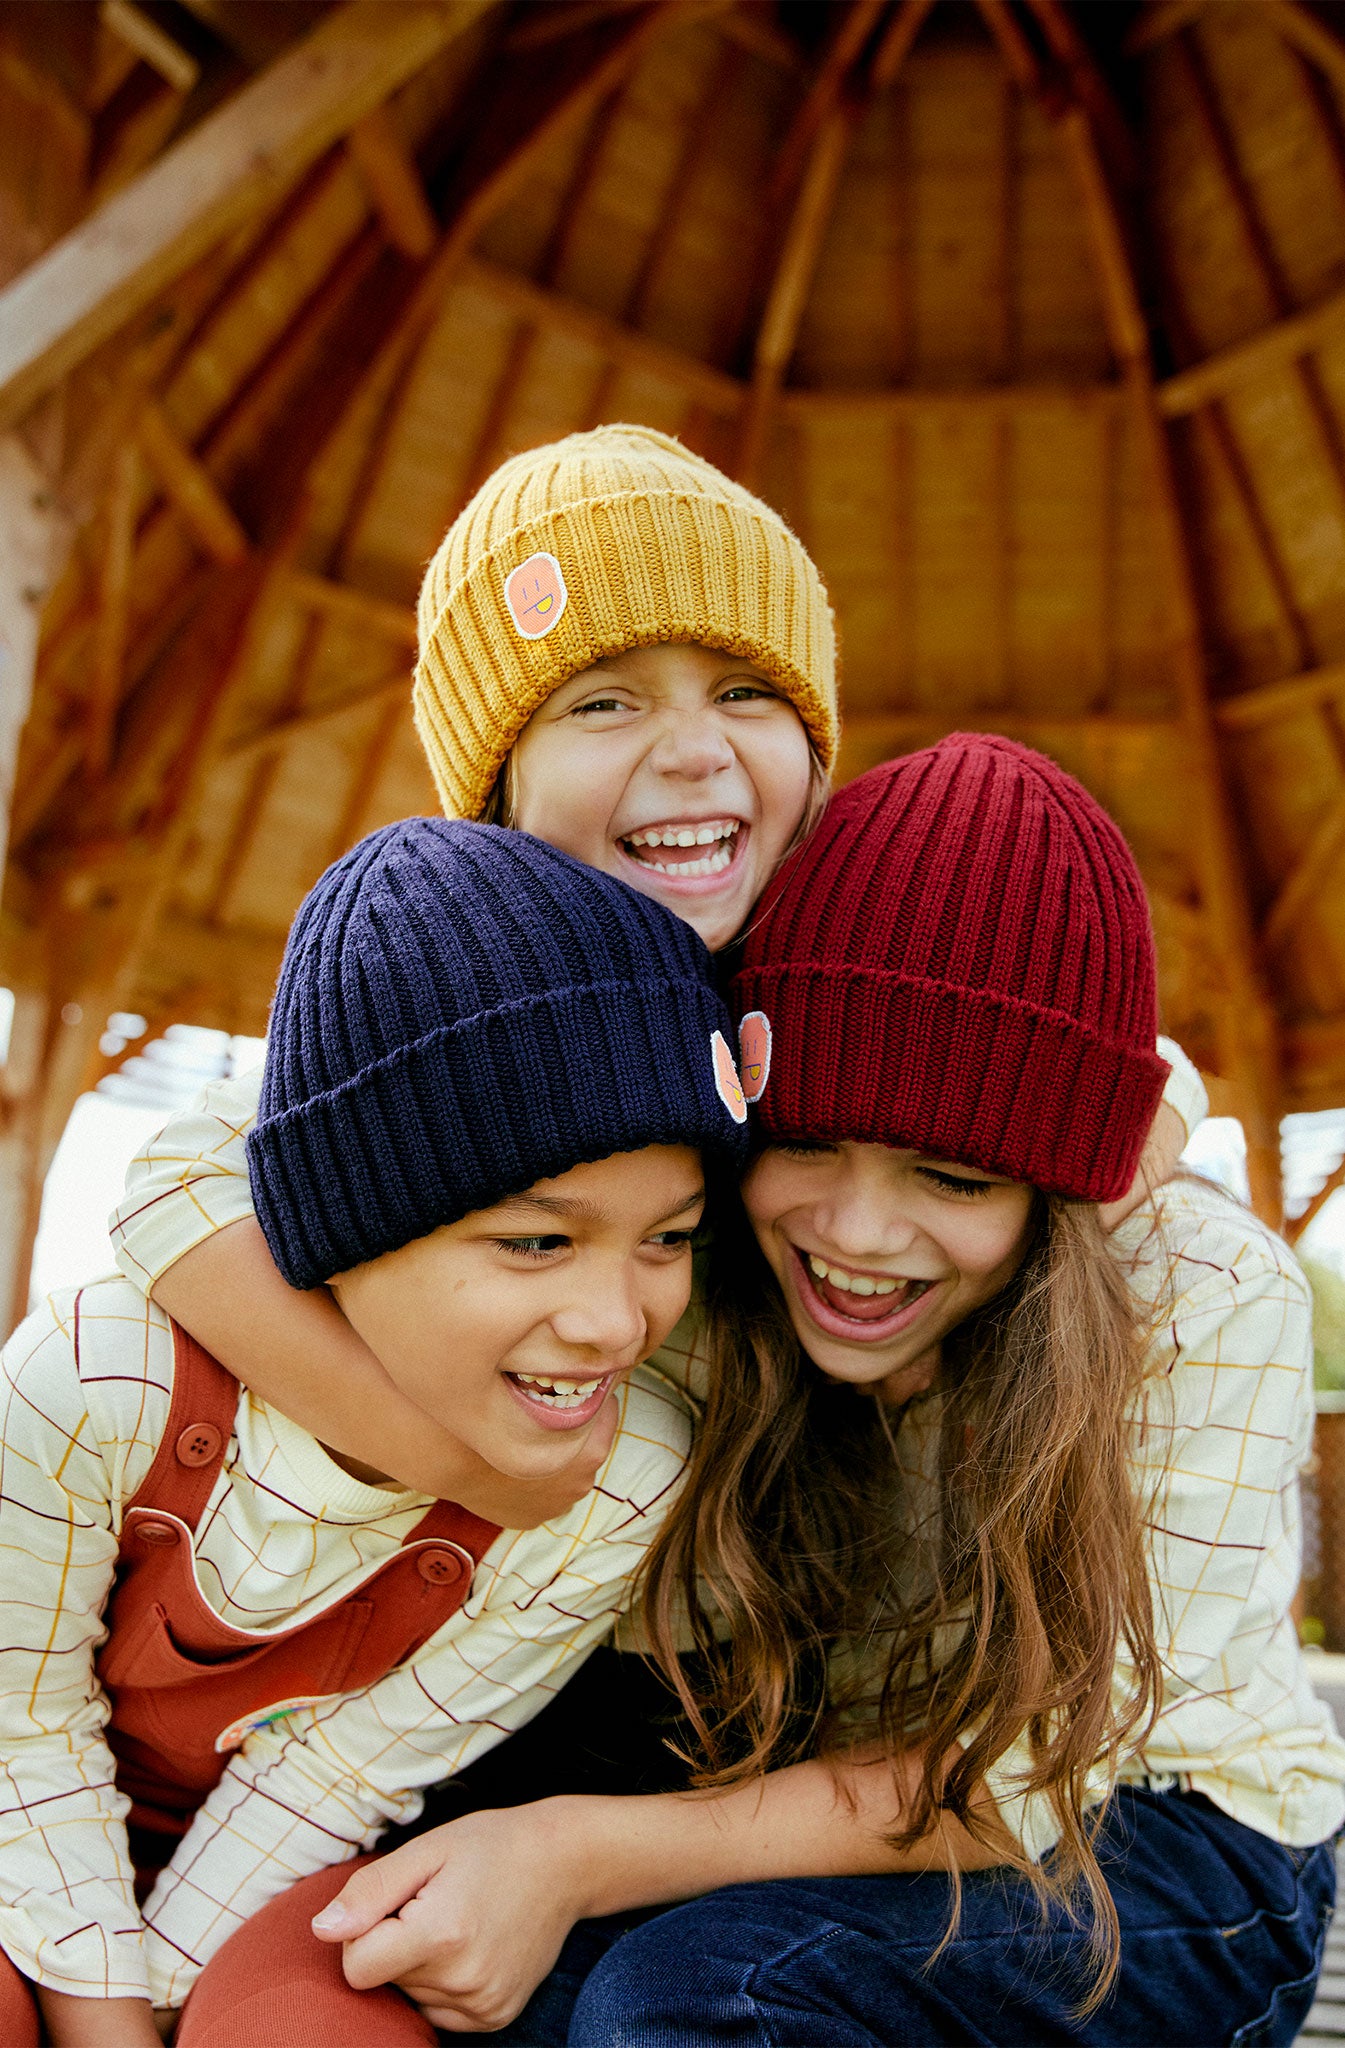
{"type": "Point", "coordinates": [686, 852]}
{"type": "Point", "coordinates": [850, 1303]}
{"type": "Point", "coordinates": [559, 1403]}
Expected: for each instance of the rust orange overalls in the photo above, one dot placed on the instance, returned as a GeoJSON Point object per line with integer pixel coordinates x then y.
{"type": "Point", "coordinates": [184, 1684]}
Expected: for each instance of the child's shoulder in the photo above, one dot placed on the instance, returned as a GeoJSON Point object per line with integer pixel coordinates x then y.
{"type": "Point", "coordinates": [1196, 1241]}
{"type": "Point", "coordinates": [100, 1347]}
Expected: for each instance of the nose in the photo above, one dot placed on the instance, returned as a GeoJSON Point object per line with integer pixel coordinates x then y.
{"type": "Point", "coordinates": [603, 1317]}
{"type": "Point", "coordinates": [860, 1216]}
{"type": "Point", "coordinates": [691, 744]}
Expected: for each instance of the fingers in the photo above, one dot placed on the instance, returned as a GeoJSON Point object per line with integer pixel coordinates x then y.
{"type": "Point", "coordinates": [379, 1889]}
{"type": "Point", "coordinates": [394, 1949]}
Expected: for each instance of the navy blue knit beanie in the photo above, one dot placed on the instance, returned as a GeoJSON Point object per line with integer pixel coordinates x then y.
{"type": "Point", "coordinates": [463, 1011]}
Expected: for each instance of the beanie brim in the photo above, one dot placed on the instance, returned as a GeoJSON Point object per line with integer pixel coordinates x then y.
{"type": "Point", "coordinates": [435, 1130]}
{"type": "Point", "coordinates": [957, 1073]}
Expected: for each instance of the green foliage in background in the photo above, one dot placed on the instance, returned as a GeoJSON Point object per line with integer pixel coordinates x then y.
{"type": "Point", "coordinates": [1328, 1321]}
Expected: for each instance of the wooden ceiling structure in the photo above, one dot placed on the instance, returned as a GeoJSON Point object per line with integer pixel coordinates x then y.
{"type": "Point", "coordinates": [1029, 315]}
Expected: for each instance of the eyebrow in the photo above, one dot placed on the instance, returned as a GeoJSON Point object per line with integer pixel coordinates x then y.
{"type": "Point", "coordinates": [575, 1209]}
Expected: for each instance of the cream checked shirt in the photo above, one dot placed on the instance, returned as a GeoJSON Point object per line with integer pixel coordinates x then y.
{"type": "Point", "coordinates": [1222, 1436]}
{"type": "Point", "coordinates": [85, 1386]}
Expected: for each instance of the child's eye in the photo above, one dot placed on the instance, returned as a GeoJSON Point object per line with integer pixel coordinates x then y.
{"type": "Point", "coordinates": [745, 693]}
{"type": "Point", "coordinates": [532, 1247]}
{"type": "Point", "coordinates": [804, 1148]}
{"type": "Point", "coordinates": [673, 1240]}
{"type": "Point", "coordinates": [955, 1183]}
{"type": "Point", "coordinates": [597, 704]}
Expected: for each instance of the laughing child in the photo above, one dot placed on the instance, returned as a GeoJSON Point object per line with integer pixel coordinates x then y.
{"type": "Point", "coordinates": [231, 1655]}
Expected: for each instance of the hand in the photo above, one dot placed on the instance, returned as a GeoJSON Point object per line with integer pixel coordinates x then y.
{"type": "Point", "coordinates": [466, 1920]}
{"type": "Point", "coordinates": [1163, 1148]}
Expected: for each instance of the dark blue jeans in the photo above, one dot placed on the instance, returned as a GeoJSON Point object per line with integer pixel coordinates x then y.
{"type": "Point", "coordinates": [1221, 1941]}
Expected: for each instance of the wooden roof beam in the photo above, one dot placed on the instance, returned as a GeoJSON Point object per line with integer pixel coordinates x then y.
{"type": "Point", "coordinates": [189, 486]}
{"type": "Point", "coordinates": [714, 389]}
{"type": "Point", "coordinates": [1289, 698]}
{"type": "Point", "coordinates": [853, 29]}
{"type": "Point", "coordinates": [1308, 34]}
{"type": "Point", "coordinates": [1246, 1020]}
{"type": "Point", "coordinates": [1163, 19]}
{"type": "Point", "coordinates": [388, 170]}
{"type": "Point", "coordinates": [1276, 347]}
{"type": "Point", "coordinates": [1306, 877]}
{"type": "Point", "coordinates": [235, 161]}
{"type": "Point", "coordinates": [788, 296]}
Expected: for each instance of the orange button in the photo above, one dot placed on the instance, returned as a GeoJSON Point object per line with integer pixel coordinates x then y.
{"type": "Point", "coordinates": [198, 1444]}
{"type": "Point", "coordinates": [440, 1567]}
{"type": "Point", "coordinates": [157, 1532]}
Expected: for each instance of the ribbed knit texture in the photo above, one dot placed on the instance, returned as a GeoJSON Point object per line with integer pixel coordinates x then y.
{"type": "Point", "coordinates": [463, 1011]}
{"type": "Point", "coordinates": [655, 545]}
{"type": "Point", "coordinates": [960, 960]}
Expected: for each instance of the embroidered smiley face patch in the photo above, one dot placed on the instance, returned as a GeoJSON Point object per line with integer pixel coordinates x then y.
{"type": "Point", "coordinates": [728, 1087]}
{"type": "Point", "coordinates": [754, 1053]}
{"type": "Point", "coordinates": [536, 596]}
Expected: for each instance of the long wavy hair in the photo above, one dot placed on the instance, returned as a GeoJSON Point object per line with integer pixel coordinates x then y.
{"type": "Point", "coordinates": [980, 1606]}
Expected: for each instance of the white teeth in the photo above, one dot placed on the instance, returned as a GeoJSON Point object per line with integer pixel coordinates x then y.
{"type": "Point", "coordinates": [857, 1283]}
{"type": "Point", "coordinates": [558, 1393]}
{"type": "Point", "coordinates": [713, 864]}
{"type": "Point", "coordinates": [685, 835]}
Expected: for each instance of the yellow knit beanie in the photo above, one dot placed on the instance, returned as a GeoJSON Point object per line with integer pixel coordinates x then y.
{"type": "Point", "coordinates": [603, 541]}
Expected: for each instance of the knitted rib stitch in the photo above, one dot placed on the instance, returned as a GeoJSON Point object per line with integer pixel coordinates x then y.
{"type": "Point", "coordinates": [463, 1011]}
{"type": "Point", "coordinates": [655, 545]}
{"type": "Point", "coordinates": [960, 960]}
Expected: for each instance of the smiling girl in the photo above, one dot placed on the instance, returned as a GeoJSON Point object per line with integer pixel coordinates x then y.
{"type": "Point", "coordinates": [1028, 1493]}
{"type": "Point", "coordinates": [230, 1656]}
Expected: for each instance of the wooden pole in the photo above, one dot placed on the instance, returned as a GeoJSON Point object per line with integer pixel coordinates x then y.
{"type": "Point", "coordinates": [1246, 1024]}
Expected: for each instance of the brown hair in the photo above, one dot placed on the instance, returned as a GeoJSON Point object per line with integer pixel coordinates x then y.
{"type": "Point", "coordinates": [995, 1606]}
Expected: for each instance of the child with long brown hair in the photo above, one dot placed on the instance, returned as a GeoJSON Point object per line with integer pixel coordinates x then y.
{"type": "Point", "coordinates": [992, 1531]}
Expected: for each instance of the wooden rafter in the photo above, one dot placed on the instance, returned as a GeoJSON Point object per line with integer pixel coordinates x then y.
{"type": "Point", "coordinates": [189, 486]}
{"type": "Point", "coordinates": [854, 26]}
{"type": "Point", "coordinates": [114, 587]}
{"type": "Point", "coordinates": [788, 294]}
{"type": "Point", "coordinates": [1243, 362]}
{"type": "Point", "coordinates": [1249, 1046]}
{"type": "Point", "coordinates": [1290, 698]}
{"type": "Point", "coordinates": [1306, 878]}
{"type": "Point", "coordinates": [394, 184]}
{"type": "Point", "coordinates": [236, 161]}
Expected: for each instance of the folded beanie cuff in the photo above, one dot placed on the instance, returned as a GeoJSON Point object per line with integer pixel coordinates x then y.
{"type": "Point", "coordinates": [439, 1128]}
{"type": "Point", "coordinates": [641, 569]}
{"type": "Point", "coordinates": [986, 1079]}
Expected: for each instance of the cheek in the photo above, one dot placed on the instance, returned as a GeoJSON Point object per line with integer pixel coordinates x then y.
{"type": "Point", "coordinates": [567, 784]}
{"type": "Point", "coordinates": [987, 1250]}
{"type": "Point", "coordinates": [779, 763]}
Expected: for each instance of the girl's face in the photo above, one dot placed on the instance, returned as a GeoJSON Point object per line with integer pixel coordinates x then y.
{"type": "Point", "coordinates": [880, 1253]}
{"type": "Point", "coordinates": [680, 769]}
{"type": "Point", "coordinates": [511, 1327]}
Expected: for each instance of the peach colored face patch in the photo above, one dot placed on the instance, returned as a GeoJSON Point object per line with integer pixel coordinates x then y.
{"type": "Point", "coordinates": [729, 1087]}
{"type": "Point", "coordinates": [754, 1053]}
{"type": "Point", "coordinates": [536, 595]}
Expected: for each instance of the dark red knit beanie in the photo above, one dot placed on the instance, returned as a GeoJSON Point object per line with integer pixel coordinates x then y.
{"type": "Point", "coordinates": [960, 960]}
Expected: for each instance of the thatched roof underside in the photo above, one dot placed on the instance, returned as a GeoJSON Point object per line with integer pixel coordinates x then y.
{"type": "Point", "coordinates": [849, 252]}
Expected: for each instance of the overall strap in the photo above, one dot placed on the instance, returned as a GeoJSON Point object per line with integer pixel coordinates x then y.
{"type": "Point", "coordinates": [201, 1420]}
{"type": "Point", "coordinates": [446, 1522]}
